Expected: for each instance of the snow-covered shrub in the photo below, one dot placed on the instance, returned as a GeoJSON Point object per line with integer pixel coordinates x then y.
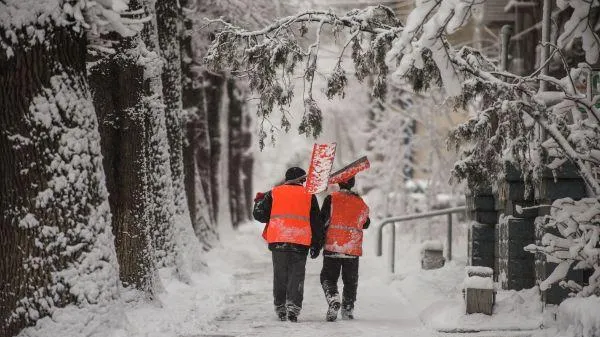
{"type": "Point", "coordinates": [578, 223]}
{"type": "Point", "coordinates": [578, 317]}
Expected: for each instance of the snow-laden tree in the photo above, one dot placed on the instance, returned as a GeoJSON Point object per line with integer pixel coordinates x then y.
{"type": "Point", "coordinates": [127, 87]}
{"type": "Point", "coordinates": [55, 229]}
{"type": "Point", "coordinates": [402, 127]}
{"type": "Point", "coordinates": [217, 154]}
{"type": "Point", "coordinates": [146, 69]}
{"type": "Point", "coordinates": [510, 109]}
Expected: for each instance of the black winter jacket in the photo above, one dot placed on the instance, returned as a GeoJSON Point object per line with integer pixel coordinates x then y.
{"type": "Point", "coordinates": [262, 213]}
{"type": "Point", "coordinates": [326, 213]}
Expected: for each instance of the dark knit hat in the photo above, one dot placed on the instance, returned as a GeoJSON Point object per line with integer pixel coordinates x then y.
{"type": "Point", "coordinates": [293, 173]}
{"type": "Point", "coordinates": [348, 184]}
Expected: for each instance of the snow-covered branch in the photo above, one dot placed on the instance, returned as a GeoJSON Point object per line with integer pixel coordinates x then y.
{"type": "Point", "coordinates": [419, 52]}
{"type": "Point", "coordinates": [578, 224]}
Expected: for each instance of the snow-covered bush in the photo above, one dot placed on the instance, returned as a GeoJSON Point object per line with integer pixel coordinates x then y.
{"type": "Point", "coordinates": [578, 317]}
{"type": "Point", "coordinates": [577, 245]}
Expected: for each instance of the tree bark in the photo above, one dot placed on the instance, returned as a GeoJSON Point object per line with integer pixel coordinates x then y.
{"type": "Point", "coordinates": [118, 92]}
{"type": "Point", "coordinates": [247, 164]}
{"type": "Point", "coordinates": [213, 98]}
{"type": "Point", "coordinates": [196, 147]}
{"type": "Point", "coordinates": [55, 233]}
{"type": "Point", "coordinates": [161, 196]}
{"type": "Point", "coordinates": [236, 199]}
{"type": "Point", "coordinates": [168, 17]}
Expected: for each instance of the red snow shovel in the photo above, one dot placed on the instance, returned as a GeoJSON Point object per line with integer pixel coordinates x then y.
{"type": "Point", "coordinates": [317, 178]}
{"type": "Point", "coordinates": [349, 170]}
{"type": "Point", "coordinates": [321, 163]}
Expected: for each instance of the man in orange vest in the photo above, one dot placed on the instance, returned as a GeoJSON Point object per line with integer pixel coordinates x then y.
{"type": "Point", "coordinates": [345, 215]}
{"type": "Point", "coordinates": [293, 228]}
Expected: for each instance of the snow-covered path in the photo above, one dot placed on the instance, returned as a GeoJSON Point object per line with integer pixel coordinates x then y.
{"type": "Point", "coordinates": [233, 297]}
{"type": "Point", "coordinates": [380, 311]}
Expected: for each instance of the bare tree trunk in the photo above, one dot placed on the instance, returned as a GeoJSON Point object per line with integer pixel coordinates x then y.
{"type": "Point", "coordinates": [196, 147]}
{"type": "Point", "coordinates": [169, 17]}
{"type": "Point", "coordinates": [199, 206]}
{"type": "Point", "coordinates": [247, 164]}
{"type": "Point", "coordinates": [55, 233]}
{"type": "Point", "coordinates": [198, 169]}
{"type": "Point", "coordinates": [118, 90]}
{"type": "Point", "coordinates": [237, 203]}
{"type": "Point", "coordinates": [161, 197]}
{"type": "Point", "coordinates": [213, 98]}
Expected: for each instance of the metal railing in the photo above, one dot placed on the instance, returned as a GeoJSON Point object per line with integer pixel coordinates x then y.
{"type": "Point", "coordinates": [393, 220]}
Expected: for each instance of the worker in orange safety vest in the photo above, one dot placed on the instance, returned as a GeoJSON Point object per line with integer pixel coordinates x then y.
{"type": "Point", "coordinates": [293, 229]}
{"type": "Point", "coordinates": [345, 215]}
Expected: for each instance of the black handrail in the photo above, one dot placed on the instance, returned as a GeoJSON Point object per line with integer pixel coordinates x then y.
{"type": "Point", "coordinates": [393, 220]}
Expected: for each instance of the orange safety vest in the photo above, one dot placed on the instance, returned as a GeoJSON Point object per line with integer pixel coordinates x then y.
{"type": "Point", "coordinates": [290, 216]}
{"type": "Point", "coordinates": [345, 232]}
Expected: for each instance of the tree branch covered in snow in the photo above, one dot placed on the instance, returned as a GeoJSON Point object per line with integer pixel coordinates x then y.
{"type": "Point", "coordinates": [418, 51]}
{"type": "Point", "coordinates": [18, 19]}
{"type": "Point", "coordinates": [510, 112]}
{"type": "Point", "coordinates": [576, 246]}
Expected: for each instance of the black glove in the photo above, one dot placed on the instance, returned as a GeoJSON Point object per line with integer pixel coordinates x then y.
{"type": "Point", "coordinates": [314, 253]}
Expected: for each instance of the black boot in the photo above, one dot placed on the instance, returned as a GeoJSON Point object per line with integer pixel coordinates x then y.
{"type": "Point", "coordinates": [348, 311]}
{"type": "Point", "coordinates": [332, 312]}
{"type": "Point", "coordinates": [281, 312]}
{"type": "Point", "coordinates": [292, 317]}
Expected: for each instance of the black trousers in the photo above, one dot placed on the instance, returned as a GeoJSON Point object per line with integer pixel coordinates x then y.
{"type": "Point", "coordinates": [330, 275]}
{"type": "Point", "coordinates": [288, 281]}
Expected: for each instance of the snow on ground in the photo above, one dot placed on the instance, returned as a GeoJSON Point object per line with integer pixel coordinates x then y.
{"type": "Point", "coordinates": [235, 298]}
{"type": "Point", "coordinates": [437, 296]}
{"type": "Point", "coordinates": [248, 310]}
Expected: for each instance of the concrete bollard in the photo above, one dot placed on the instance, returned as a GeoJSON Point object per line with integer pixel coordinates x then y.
{"type": "Point", "coordinates": [478, 290]}
{"type": "Point", "coordinates": [432, 255]}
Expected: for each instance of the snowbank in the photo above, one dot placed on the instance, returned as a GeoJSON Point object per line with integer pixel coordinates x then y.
{"type": "Point", "coordinates": [437, 296]}
{"type": "Point", "coordinates": [513, 310]}
{"type": "Point", "coordinates": [181, 309]}
{"type": "Point", "coordinates": [92, 321]}
{"type": "Point", "coordinates": [580, 317]}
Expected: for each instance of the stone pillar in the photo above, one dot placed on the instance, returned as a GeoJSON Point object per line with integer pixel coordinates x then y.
{"type": "Point", "coordinates": [515, 230]}
{"type": "Point", "coordinates": [483, 216]}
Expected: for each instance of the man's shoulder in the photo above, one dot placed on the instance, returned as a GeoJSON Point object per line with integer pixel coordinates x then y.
{"type": "Point", "coordinates": [347, 192]}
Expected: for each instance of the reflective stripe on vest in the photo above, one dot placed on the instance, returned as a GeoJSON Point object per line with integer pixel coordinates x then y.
{"type": "Point", "coordinates": [290, 216]}
{"type": "Point", "coordinates": [348, 215]}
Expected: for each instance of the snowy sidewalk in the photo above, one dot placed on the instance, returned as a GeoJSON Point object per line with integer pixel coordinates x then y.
{"type": "Point", "coordinates": [235, 298]}
{"type": "Point", "coordinates": [380, 311]}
